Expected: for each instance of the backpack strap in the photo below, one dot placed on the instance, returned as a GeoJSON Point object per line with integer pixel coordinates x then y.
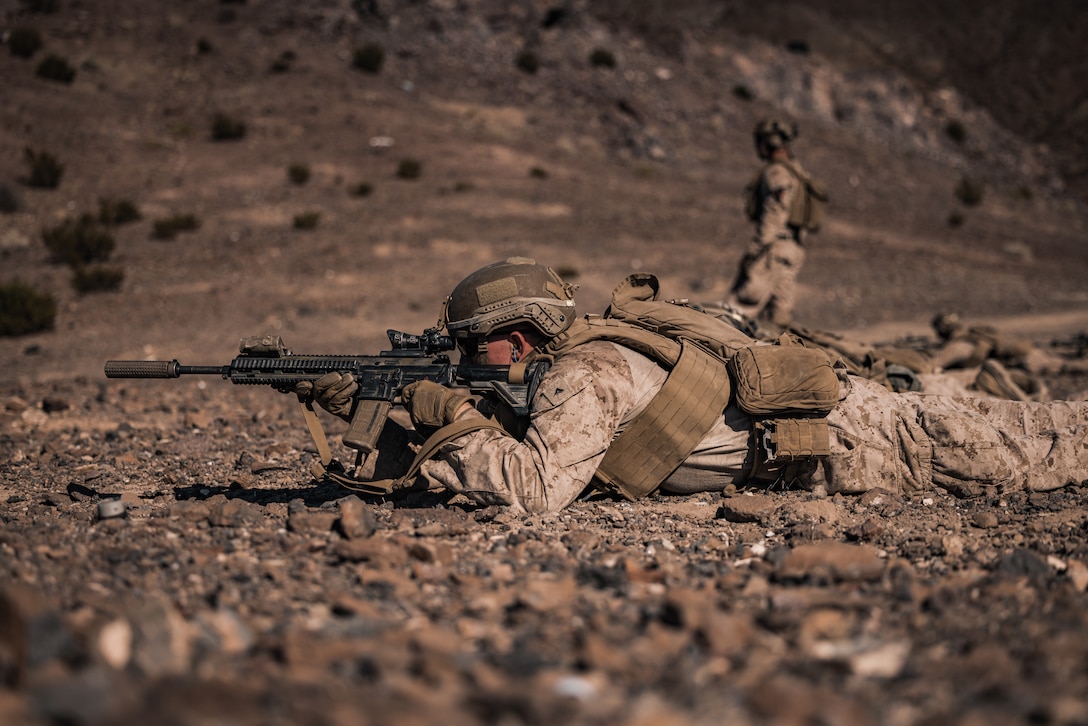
{"type": "Point", "coordinates": [326, 467]}
{"type": "Point", "coordinates": [440, 438]}
{"type": "Point", "coordinates": [665, 351]}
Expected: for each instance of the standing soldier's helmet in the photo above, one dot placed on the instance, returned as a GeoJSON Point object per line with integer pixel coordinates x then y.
{"type": "Point", "coordinates": [775, 133]}
{"type": "Point", "coordinates": [514, 291]}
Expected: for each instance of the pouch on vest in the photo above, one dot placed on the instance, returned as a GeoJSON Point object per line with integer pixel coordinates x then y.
{"type": "Point", "coordinates": [787, 439]}
{"type": "Point", "coordinates": [776, 379]}
{"type": "Point", "coordinates": [808, 207]}
{"type": "Point", "coordinates": [786, 448]}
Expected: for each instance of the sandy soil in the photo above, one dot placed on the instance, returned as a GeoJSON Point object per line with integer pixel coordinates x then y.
{"type": "Point", "coordinates": [235, 589]}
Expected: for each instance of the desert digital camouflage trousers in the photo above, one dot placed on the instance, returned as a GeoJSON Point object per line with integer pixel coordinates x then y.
{"type": "Point", "coordinates": [910, 442]}
{"type": "Point", "coordinates": [767, 280]}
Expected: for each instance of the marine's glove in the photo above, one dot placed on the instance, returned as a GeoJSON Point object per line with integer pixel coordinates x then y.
{"type": "Point", "coordinates": [334, 392]}
{"type": "Point", "coordinates": [431, 405]}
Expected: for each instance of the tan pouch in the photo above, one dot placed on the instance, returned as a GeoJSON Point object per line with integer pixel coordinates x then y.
{"type": "Point", "coordinates": [775, 379]}
{"type": "Point", "coordinates": [787, 439]}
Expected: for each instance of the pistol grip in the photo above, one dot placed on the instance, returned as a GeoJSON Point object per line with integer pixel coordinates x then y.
{"type": "Point", "coordinates": [366, 425]}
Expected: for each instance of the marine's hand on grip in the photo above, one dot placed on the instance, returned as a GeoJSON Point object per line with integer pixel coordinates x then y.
{"type": "Point", "coordinates": [334, 392]}
{"type": "Point", "coordinates": [431, 405]}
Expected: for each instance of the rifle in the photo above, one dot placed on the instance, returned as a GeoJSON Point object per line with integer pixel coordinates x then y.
{"type": "Point", "coordinates": [380, 378]}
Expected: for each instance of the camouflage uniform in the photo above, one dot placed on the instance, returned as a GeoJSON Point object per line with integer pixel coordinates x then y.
{"type": "Point", "coordinates": [767, 278]}
{"type": "Point", "coordinates": [903, 442]}
{"type": "Point", "coordinates": [1005, 366]}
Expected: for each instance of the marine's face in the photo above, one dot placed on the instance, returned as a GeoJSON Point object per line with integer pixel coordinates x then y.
{"type": "Point", "coordinates": [501, 350]}
{"type": "Point", "coordinates": [495, 349]}
{"type": "Point", "coordinates": [763, 150]}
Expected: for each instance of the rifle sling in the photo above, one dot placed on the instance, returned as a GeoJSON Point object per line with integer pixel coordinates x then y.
{"type": "Point", "coordinates": [443, 436]}
{"type": "Point", "coordinates": [317, 433]}
{"type": "Point", "coordinates": [321, 469]}
{"type": "Point", "coordinates": [326, 467]}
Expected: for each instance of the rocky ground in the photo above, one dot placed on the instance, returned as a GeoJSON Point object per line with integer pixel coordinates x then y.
{"type": "Point", "coordinates": [230, 587]}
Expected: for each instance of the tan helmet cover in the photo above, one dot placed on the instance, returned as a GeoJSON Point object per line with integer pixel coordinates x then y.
{"type": "Point", "coordinates": [515, 290]}
{"type": "Point", "coordinates": [775, 133]}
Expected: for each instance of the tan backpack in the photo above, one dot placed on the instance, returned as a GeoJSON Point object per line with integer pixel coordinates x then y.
{"type": "Point", "coordinates": [769, 378]}
{"type": "Point", "coordinates": [708, 358]}
{"type": "Point", "coordinates": [807, 210]}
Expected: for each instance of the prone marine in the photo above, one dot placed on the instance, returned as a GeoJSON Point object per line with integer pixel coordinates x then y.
{"type": "Point", "coordinates": [654, 395]}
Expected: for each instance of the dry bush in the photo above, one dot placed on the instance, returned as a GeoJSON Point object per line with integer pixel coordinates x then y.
{"type": "Point", "coordinates": [168, 228]}
{"type": "Point", "coordinates": [298, 173]}
{"type": "Point", "coordinates": [227, 128]}
{"type": "Point", "coordinates": [24, 41]}
{"type": "Point", "coordinates": [56, 68]}
{"type": "Point", "coordinates": [369, 58]}
{"type": "Point", "coordinates": [307, 220]}
{"type": "Point", "coordinates": [45, 170]}
{"type": "Point", "coordinates": [79, 241]}
{"type": "Point", "coordinates": [97, 279]}
{"type": "Point", "coordinates": [24, 310]}
{"type": "Point", "coordinates": [409, 169]}
{"type": "Point", "coordinates": [114, 212]}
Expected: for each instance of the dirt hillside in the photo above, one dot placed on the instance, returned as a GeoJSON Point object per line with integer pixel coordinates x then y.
{"type": "Point", "coordinates": [236, 589]}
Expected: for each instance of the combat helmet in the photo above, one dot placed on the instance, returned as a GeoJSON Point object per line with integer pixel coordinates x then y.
{"type": "Point", "coordinates": [775, 133]}
{"type": "Point", "coordinates": [514, 291]}
{"type": "Point", "coordinates": [946, 325]}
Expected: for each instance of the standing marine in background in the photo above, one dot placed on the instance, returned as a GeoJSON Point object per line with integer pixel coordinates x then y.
{"type": "Point", "coordinates": [785, 203]}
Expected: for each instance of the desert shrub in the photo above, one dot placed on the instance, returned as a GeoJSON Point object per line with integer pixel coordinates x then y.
{"type": "Point", "coordinates": [602, 58]}
{"type": "Point", "coordinates": [167, 228]}
{"type": "Point", "coordinates": [970, 191]}
{"type": "Point", "coordinates": [227, 128]}
{"type": "Point", "coordinates": [9, 201]}
{"type": "Point", "coordinates": [538, 173]}
{"type": "Point", "coordinates": [566, 272]}
{"type": "Point", "coordinates": [956, 219]}
{"type": "Point", "coordinates": [307, 220]}
{"type": "Point", "coordinates": [369, 58]}
{"type": "Point", "coordinates": [43, 7]}
{"type": "Point", "coordinates": [409, 169]}
{"type": "Point", "coordinates": [97, 279]}
{"type": "Point", "coordinates": [55, 68]}
{"type": "Point", "coordinates": [24, 310]}
{"type": "Point", "coordinates": [45, 170]}
{"type": "Point", "coordinates": [743, 92]}
{"type": "Point", "coordinates": [298, 173]}
{"type": "Point", "coordinates": [1024, 193]}
{"type": "Point", "coordinates": [204, 46]}
{"type": "Point", "coordinates": [527, 61]}
{"type": "Point", "coordinates": [24, 42]}
{"type": "Point", "coordinates": [283, 62]}
{"type": "Point", "coordinates": [182, 130]}
{"type": "Point", "coordinates": [555, 17]}
{"type": "Point", "coordinates": [362, 189]}
{"type": "Point", "coordinates": [956, 131]}
{"type": "Point", "coordinates": [78, 241]}
{"type": "Point", "coordinates": [113, 212]}
{"type": "Point", "coordinates": [228, 15]}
